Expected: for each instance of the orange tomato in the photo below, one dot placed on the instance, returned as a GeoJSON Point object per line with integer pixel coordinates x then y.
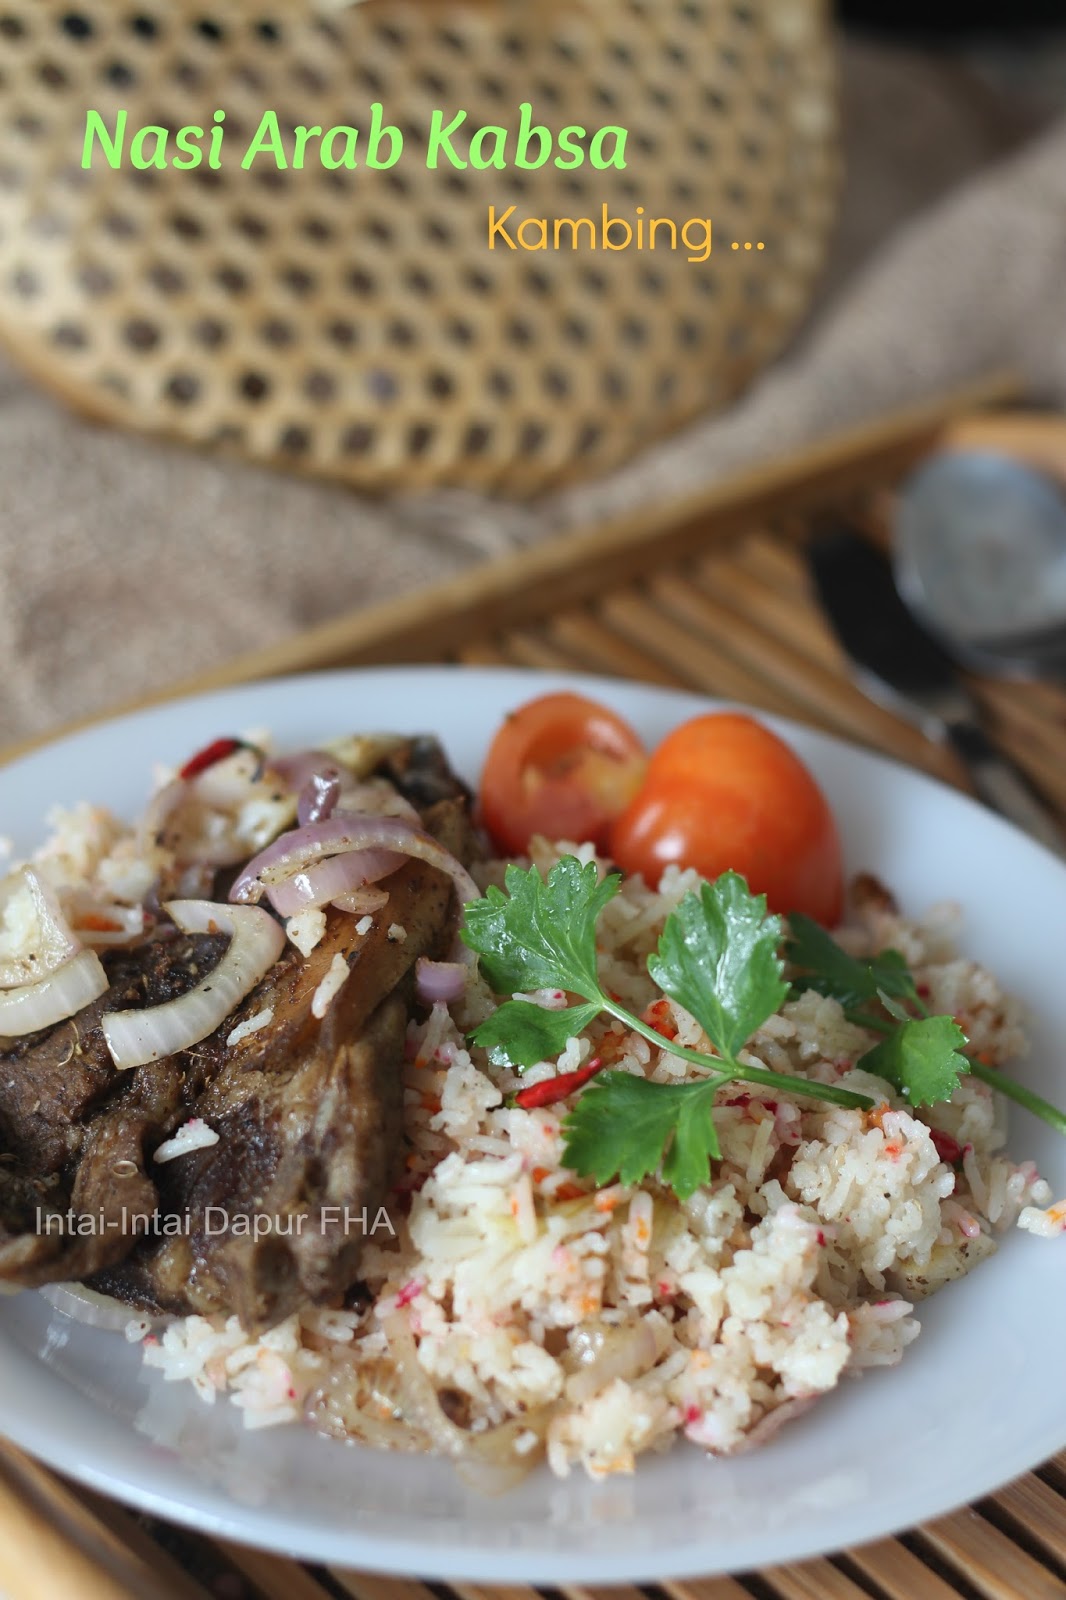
{"type": "Point", "coordinates": [724, 792]}
{"type": "Point", "coordinates": [562, 766]}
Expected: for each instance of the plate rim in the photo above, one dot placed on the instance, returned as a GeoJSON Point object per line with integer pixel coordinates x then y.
{"type": "Point", "coordinates": [387, 1554]}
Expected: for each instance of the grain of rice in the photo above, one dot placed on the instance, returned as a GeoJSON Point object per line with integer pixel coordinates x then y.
{"type": "Point", "coordinates": [244, 1030]}
{"type": "Point", "coordinates": [193, 1135]}
{"type": "Point", "coordinates": [336, 977]}
{"type": "Point", "coordinates": [306, 930]}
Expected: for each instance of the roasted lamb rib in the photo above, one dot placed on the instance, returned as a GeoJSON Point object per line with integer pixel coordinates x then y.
{"type": "Point", "coordinates": [308, 1111]}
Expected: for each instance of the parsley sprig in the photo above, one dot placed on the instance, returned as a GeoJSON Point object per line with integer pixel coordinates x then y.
{"type": "Point", "coordinates": [922, 1056]}
{"type": "Point", "coordinates": [717, 957]}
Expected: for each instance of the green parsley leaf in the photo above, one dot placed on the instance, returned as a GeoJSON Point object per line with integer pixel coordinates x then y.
{"type": "Point", "coordinates": [541, 935]}
{"type": "Point", "coordinates": [718, 958]}
{"type": "Point", "coordinates": [520, 1034]}
{"type": "Point", "coordinates": [923, 1059]}
{"type": "Point", "coordinates": [830, 970]}
{"type": "Point", "coordinates": [626, 1127]}
{"type": "Point", "coordinates": [687, 1166]}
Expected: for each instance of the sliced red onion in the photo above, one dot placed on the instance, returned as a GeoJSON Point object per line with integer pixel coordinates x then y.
{"type": "Point", "coordinates": [376, 797]}
{"type": "Point", "coordinates": [331, 879]}
{"type": "Point", "coordinates": [296, 771]}
{"type": "Point", "coordinates": [69, 989]}
{"type": "Point", "coordinates": [440, 980]}
{"type": "Point", "coordinates": [771, 1422]}
{"type": "Point", "coordinates": [319, 796]}
{"type": "Point", "coordinates": [53, 942]}
{"type": "Point", "coordinates": [372, 796]}
{"type": "Point", "coordinates": [362, 902]}
{"type": "Point", "coordinates": [346, 832]}
{"type": "Point", "coordinates": [256, 942]}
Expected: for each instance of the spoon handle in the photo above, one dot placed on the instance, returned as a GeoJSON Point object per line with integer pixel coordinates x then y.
{"type": "Point", "coordinates": [1001, 786]}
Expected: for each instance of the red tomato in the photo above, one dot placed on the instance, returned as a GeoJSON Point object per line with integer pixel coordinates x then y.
{"type": "Point", "coordinates": [562, 766]}
{"type": "Point", "coordinates": [723, 791]}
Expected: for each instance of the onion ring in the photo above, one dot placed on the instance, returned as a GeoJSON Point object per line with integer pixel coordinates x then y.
{"type": "Point", "coordinates": [137, 1037]}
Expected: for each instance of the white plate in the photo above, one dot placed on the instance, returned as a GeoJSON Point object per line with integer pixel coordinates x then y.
{"type": "Point", "coordinates": [974, 1403]}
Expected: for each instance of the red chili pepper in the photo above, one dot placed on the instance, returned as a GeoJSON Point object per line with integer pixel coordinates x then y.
{"type": "Point", "coordinates": [948, 1149]}
{"type": "Point", "coordinates": [659, 1016]}
{"type": "Point", "coordinates": [570, 1191]}
{"type": "Point", "coordinates": [552, 1090]}
{"type": "Point", "coordinates": [94, 923]}
{"type": "Point", "coordinates": [210, 756]}
{"type": "Point", "coordinates": [745, 1099]}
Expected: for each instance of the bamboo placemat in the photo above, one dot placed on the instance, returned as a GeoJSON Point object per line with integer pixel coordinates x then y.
{"type": "Point", "coordinates": [709, 596]}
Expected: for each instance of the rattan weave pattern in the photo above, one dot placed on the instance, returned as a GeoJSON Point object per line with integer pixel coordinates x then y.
{"type": "Point", "coordinates": [354, 323]}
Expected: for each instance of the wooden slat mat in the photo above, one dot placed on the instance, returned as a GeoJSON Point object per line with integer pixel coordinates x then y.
{"type": "Point", "coordinates": [715, 600]}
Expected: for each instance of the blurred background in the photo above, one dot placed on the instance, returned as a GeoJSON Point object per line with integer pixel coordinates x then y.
{"type": "Point", "coordinates": [234, 404]}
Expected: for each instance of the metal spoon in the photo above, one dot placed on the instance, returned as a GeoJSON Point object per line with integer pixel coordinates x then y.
{"type": "Point", "coordinates": [980, 556]}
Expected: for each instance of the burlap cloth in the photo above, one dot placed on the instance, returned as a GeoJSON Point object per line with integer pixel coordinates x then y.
{"type": "Point", "coordinates": [124, 564]}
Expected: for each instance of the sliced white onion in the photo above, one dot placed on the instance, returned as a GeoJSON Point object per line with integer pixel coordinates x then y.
{"type": "Point", "coordinates": [40, 1005]}
{"type": "Point", "coordinates": [256, 942]}
{"type": "Point", "coordinates": [487, 1460]}
{"type": "Point", "coordinates": [197, 818]}
{"type": "Point", "coordinates": [329, 879]}
{"type": "Point", "coordinates": [418, 1401]}
{"type": "Point", "coordinates": [85, 1305]}
{"type": "Point", "coordinates": [610, 1353]}
{"type": "Point", "coordinates": [440, 980]}
{"type": "Point", "coordinates": [155, 823]}
{"type": "Point", "coordinates": [46, 941]}
{"type": "Point", "coordinates": [492, 1464]}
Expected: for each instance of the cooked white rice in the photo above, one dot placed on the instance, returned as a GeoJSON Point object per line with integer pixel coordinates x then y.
{"type": "Point", "coordinates": [539, 1311]}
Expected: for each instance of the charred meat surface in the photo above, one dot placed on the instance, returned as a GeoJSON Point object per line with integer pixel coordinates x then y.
{"type": "Point", "coordinates": [308, 1109]}
{"type": "Point", "coordinates": [71, 1122]}
{"type": "Point", "coordinates": [419, 770]}
{"type": "Point", "coordinates": [308, 1114]}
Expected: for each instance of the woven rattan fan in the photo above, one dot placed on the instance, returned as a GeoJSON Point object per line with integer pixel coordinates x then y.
{"type": "Point", "coordinates": [354, 323]}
